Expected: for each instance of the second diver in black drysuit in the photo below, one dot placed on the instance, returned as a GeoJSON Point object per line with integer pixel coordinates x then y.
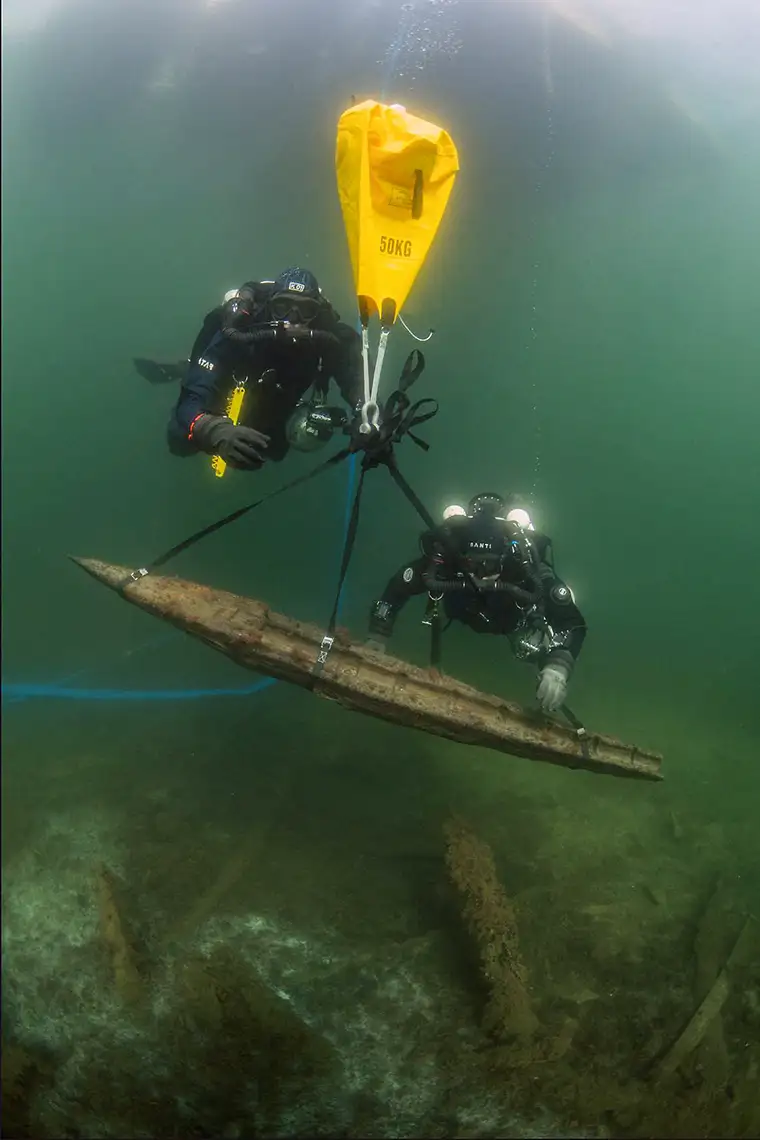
{"type": "Point", "coordinates": [489, 569]}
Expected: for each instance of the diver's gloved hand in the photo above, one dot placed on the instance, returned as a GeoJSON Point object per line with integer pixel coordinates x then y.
{"type": "Point", "coordinates": [552, 686]}
{"type": "Point", "coordinates": [237, 445]}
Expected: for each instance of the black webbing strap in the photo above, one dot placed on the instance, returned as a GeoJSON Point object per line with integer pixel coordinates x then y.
{"type": "Point", "coordinates": [580, 730]}
{"type": "Point", "coordinates": [436, 637]}
{"type": "Point", "coordinates": [168, 555]}
{"type": "Point", "coordinates": [416, 502]}
{"type": "Point", "coordinates": [383, 457]}
{"type": "Point", "coordinates": [414, 366]}
{"type": "Point", "coordinates": [348, 549]}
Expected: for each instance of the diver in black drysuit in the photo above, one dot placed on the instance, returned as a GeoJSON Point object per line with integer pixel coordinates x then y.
{"type": "Point", "coordinates": [283, 338]}
{"type": "Point", "coordinates": [489, 569]}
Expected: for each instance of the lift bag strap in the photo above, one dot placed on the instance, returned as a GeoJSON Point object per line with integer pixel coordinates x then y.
{"type": "Point", "coordinates": [580, 730]}
{"type": "Point", "coordinates": [168, 555]}
{"type": "Point", "coordinates": [374, 458]}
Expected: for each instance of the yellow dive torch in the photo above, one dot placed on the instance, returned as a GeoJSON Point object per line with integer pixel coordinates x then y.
{"type": "Point", "coordinates": [234, 408]}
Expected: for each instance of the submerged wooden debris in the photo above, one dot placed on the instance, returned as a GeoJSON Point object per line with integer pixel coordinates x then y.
{"type": "Point", "coordinates": [492, 923]}
{"type": "Point", "coordinates": [126, 977]}
{"type": "Point", "coordinates": [707, 1014]}
{"type": "Point", "coordinates": [519, 1040]}
{"type": "Point", "coordinates": [257, 638]}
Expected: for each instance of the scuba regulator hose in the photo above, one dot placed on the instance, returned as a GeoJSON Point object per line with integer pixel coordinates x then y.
{"type": "Point", "coordinates": [481, 585]}
{"type": "Point", "coordinates": [280, 332]}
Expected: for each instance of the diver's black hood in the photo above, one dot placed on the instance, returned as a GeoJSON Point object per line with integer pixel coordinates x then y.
{"type": "Point", "coordinates": [296, 282]}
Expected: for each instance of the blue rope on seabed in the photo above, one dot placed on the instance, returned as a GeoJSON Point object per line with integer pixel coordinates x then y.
{"type": "Point", "coordinates": [15, 693]}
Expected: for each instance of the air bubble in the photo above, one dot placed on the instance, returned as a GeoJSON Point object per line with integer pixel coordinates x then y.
{"type": "Point", "coordinates": [426, 32]}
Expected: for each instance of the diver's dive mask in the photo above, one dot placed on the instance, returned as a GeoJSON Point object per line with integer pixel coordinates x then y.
{"type": "Point", "coordinates": [311, 425]}
{"type": "Point", "coordinates": [289, 308]}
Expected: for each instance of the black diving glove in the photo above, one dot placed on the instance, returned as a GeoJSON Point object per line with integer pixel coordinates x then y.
{"type": "Point", "coordinates": [237, 445]}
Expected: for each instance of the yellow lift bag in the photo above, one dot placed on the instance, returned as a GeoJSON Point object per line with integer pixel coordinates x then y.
{"type": "Point", "coordinates": [395, 174]}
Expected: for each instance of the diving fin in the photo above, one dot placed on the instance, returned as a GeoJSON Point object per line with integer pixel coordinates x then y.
{"type": "Point", "coordinates": [156, 373]}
